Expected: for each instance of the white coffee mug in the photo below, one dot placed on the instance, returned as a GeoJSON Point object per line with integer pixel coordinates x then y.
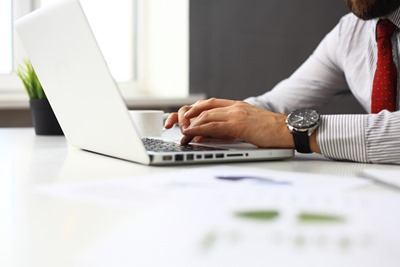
{"type": "Point", "coordinates": [149, 123]}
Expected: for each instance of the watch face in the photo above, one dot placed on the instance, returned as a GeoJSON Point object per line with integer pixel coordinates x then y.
{"type": "Point", "coordinates": [303, 118]}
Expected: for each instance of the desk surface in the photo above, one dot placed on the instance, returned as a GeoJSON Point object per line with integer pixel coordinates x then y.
{"type": "Point", "coordinates": [42, 230]}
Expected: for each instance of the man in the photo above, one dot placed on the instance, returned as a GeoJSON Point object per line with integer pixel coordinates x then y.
{"type": "Point", "coordinates": [361, 55]}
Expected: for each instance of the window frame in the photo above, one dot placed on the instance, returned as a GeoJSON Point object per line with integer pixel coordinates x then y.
{"type": "Point", "coordinates": [143, 85]}
{"type": "Point", "coordinates": [10, 83]}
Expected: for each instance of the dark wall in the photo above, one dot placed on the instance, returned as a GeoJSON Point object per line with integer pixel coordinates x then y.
{"type": "Point", "coordinates": [240, 48]}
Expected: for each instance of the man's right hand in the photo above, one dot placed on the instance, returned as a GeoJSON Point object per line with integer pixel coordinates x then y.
{"type": "Point", "coordinates": [229, 119]}
{"type": "Point", "coordinates": [186, 114]}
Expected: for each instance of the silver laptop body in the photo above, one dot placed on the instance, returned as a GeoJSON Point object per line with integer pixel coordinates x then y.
{"type": "Point", "coordinates": [85, 98]}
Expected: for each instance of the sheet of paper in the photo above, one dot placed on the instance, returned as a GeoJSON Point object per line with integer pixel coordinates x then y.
{"type": "Point", "coordinates": [224, 181]}
{"type": "Point", "coordinates": [383, 177]}
{"type": "Point", "coordinates": [229, 216]}
{"type": "Point", "coordinates": [190, 233]}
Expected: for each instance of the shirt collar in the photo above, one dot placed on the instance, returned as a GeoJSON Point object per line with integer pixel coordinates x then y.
{"type": "Point", "coordinates": [394, 17]}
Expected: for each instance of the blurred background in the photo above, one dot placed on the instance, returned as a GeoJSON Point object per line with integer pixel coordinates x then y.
{"type": "Point", "coordinates": [159, 49]}
{"type": "Point", "coordinates": [242, 48]}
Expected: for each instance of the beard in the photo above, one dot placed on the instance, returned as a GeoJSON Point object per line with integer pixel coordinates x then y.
{"type": "Point", "coordinates": [371, 9]}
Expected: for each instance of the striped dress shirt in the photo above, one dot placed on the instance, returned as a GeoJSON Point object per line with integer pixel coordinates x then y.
{"type": "Point", "coordinates": [344, 60]}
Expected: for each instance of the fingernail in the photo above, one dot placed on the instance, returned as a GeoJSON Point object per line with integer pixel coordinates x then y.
{"type": "Point", "coordinates": [186, 140]}
{"type": "Point", "coordinates": [187, 113]}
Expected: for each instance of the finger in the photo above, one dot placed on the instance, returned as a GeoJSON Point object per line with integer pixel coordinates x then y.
{"type": "Point", "coordinates": [171, 120]}
{"type": "Point", "coordinates": [182, 120]}
{"type": "Point", "coordinates": [211, 129]}
{"type": "Point", "coordinates": [197, 139]}
{"type": "Point", "coordinates": [208, 104]}
{"type": "Point", "coordinates": [186, 139]}
{"type": "Point", "coordinates": [204, 118]}
{"type": "Point", "coordinates": [215, 115]}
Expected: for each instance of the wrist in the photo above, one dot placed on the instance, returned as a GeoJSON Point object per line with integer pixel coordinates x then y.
{"type": "Point", "coordinates": [284, 137]}
{"type": "Point", "coordinates": [302, 124]}
{"type": "Point", "coordinates": [287, 137]}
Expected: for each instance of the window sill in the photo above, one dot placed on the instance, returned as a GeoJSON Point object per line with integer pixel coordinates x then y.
{"type": "Point", "coordinates": [20, 101]}
{"type": "Point", "coordinates": [14, 101]}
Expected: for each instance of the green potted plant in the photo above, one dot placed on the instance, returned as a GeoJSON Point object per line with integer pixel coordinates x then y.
{"type": "Point", "coordinates": [44, 120]}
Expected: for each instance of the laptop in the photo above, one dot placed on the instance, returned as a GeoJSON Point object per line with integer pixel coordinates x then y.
{"type": "Point", "coordinates": [87, 101]}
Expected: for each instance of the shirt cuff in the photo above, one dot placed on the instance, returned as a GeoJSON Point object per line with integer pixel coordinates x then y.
{"type": "Point", "coordinates": [342, 137]}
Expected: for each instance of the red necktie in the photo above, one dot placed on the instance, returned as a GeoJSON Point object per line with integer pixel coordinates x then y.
{"type": "Point", "coordinates": [385, 81]}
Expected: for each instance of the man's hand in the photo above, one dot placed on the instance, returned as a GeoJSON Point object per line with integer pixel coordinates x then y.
{"type": "Point", "coordinates": [228, 119]}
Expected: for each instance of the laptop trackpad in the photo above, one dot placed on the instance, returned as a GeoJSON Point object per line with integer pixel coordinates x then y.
{"type": "Point", "coordinates": [226, 144]}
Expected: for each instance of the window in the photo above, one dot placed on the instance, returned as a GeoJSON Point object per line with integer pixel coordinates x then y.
{"type": "Point", "coordinates": [113, 25]}
{"type": "Point", "coordinates": [6, 64]}
{"type": "Point", "coordinates": [9, 50]}
{"type": "Point", "coordinates": [145, 42]}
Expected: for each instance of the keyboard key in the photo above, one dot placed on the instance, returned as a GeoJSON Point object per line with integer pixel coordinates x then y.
{"type": "Point", "coordinates": [157, 145]}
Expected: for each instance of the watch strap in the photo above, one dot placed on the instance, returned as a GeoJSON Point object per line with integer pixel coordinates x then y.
{"type": "Point", "coordinates": [301, 141]}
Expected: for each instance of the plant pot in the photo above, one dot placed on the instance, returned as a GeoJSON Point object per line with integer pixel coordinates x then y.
{"type": "Point", "coordinates": [44, 120]}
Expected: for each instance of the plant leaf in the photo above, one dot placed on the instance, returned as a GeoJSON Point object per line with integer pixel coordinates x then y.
{"type": "Point", "coordinates": [30, 80]}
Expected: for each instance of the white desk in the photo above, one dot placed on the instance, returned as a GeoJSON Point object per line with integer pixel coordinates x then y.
{"type": "Point", "coordinates": [38, 230]}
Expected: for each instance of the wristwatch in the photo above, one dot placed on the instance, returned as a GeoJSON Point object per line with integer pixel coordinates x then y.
{"type": "Point", "coordinates": [302, 123]}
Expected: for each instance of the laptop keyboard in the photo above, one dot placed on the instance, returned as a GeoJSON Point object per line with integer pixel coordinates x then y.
{"type": "Point", "coordinates": [157, 145]}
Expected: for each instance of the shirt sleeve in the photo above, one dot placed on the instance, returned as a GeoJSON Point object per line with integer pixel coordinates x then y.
{"type": "Point", "coordinates": [342, 137]}
{"type": "Point", "coordinates": [370, 138]}
{"type": "Point", "coordinates": [382, 137]}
